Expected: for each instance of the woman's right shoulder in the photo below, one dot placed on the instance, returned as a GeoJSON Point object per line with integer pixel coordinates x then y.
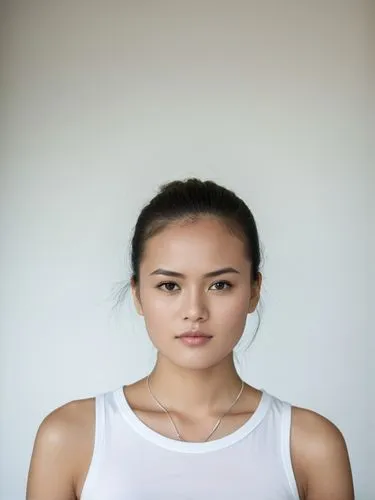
{"type": "Point", "coordinates": [68, 423]}
{"type": "Point", "coordinates": [62, 450]}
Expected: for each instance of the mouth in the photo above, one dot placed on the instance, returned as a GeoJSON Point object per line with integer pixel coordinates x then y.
{"type": "Point", "coordinates": [194, 338]}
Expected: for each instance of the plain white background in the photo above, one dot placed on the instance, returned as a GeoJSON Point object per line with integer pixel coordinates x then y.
{"type": "Point", "coordinates": [101, 102]}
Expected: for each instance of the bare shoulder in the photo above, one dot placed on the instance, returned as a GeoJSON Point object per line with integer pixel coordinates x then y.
{"type": "Point", "coordinates": [320, 457]}
{"type": "Point", "coordinates": [62, 451]}
{"type": "Point", "coordinates": [315, 431]}
{"type": "Point", "coordinates": [67, 425]}
{"type": "Point", "coordinates": [68, 417]}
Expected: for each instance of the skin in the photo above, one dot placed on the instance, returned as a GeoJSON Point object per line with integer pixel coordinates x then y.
{"type": "Point", "coordinates": [197, 384]}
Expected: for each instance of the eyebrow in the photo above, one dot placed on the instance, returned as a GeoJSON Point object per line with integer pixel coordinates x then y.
{"type": "Point", "coordinates": [211, 274]}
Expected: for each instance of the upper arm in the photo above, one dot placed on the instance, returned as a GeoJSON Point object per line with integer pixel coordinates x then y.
{"type": "Point", "coordinates": [320, 455]}
{"type": "Point", "coordinates": [51, 471]}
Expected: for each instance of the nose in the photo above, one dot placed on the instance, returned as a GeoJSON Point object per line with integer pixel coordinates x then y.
{"type": "Point", "coordinates": [195, 307]}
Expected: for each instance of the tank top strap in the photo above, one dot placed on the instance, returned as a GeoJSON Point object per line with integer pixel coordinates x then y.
{"type": "Point", "coordinates": [286, 426]}
{"type": "Point", "coordinates": [99, 439]}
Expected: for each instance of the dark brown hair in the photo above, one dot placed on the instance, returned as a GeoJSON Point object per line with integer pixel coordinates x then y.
{"type": "Point", "coordinates": [188, 200]}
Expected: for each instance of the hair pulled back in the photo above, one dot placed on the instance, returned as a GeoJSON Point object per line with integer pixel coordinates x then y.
{"type": "Point", "coordinates": [184, 200]}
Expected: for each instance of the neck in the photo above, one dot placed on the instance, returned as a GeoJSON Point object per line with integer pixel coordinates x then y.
{"type": "Point", "coordinates": [195, 391]}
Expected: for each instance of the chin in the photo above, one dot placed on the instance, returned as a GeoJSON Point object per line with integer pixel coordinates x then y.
{"type": "Point", "coordinates": [197, 361]}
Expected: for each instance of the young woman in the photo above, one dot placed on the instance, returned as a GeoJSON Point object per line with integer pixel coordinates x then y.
{"type": "Point", "coordinates": [191, 429]}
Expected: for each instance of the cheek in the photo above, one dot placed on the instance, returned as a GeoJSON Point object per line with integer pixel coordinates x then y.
{"type": "Point", "coordinates": [157, 304]}
{"type": "Point", "coordinates": [236, 304]}
{"type": "Point", "coordinates": [157, 313]}
{"type": "Point", "coordinates": [230, 314]}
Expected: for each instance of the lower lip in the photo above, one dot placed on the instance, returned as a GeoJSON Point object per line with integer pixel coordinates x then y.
{"type": "Point", "coordinates": [195, 341]}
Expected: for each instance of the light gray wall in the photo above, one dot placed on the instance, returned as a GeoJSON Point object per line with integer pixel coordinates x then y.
{"type": "Point", "coordinates": [103, 101]}
{"type": "Point", "coordinates": [371, 247]}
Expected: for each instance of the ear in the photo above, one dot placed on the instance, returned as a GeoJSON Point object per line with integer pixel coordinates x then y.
{"type": "Point", "coordinates": [255, 293]}
{"type": "Point", "coordinates": [136, 297]}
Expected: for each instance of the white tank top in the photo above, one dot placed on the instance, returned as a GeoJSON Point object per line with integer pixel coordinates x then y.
{"type": "Point", "coordinates": [130, 461]}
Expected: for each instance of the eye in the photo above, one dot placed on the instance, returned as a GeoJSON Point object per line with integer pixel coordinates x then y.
{"type": "Point", "coordinates": [169, 286]}
{"type": "Point", "coordinates": [221, 285]}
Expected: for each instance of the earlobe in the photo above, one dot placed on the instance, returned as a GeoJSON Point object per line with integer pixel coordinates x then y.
{"type": "Point", "coordinates": [138, 306]}
{"type": "Point", "coordinates": [136, 298]}
{"type": "Point", "coordinates": [255, 294]}
{"type": "Point", "coordinates": [252, 306]}
{"type": "Point", "coordinates": [251, 303]}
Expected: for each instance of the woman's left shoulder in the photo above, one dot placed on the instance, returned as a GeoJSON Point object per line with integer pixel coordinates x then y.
{"type": "Point", "coordinates": [313, 428]}
{"type": "Point", "coordinates": [320, 455]}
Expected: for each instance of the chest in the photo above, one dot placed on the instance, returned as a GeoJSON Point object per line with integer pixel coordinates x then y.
{"type": "Point", "coordinates": [143, 476]}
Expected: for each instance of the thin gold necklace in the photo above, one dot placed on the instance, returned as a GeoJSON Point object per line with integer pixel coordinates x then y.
{"type": "Point", "coordinates": [172, 421]}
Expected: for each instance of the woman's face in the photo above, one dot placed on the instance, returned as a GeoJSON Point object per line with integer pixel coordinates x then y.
{"type": "Point", "coordinates": [195, 276]}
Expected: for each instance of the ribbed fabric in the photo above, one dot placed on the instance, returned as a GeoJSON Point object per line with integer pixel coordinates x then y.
{"type": "Point", "coordinates": [130, 461]}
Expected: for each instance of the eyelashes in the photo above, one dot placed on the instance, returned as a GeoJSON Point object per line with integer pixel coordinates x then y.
{"type": "Point", "coordinates": [166, 284]}
{"type": "Point", "coordinates": [169, 286]}
{"type": "Point", "coordinates": [226, 284]}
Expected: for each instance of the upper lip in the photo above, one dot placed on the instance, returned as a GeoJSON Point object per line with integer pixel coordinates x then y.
{"type": "Point", "coordinates": [194, 334]}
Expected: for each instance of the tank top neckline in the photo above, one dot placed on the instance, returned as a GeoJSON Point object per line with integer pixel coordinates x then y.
{"type": "Point", "coordinates": [188, 446]}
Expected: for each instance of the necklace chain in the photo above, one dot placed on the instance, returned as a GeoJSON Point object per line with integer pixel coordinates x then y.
{"type": "Point", "coordinates": [172, 421]}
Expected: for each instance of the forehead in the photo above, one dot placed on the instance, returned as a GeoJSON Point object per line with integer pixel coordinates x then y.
{"type": "Point", "coordinates": [203, 243]}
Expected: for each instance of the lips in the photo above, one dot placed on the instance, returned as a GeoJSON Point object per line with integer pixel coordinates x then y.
{"type": "Point", "coordinates": [195, 334]}
{"type": "Point", "coordinates": [194, 339]}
